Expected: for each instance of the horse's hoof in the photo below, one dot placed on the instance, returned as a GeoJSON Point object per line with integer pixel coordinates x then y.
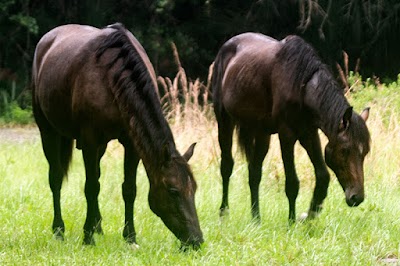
{"type": "Point", "coordinates": [59, 237]}
{"type": "Point", "coordinates": [99, 230]}
{"type": "Point", "coordinates": [308, 216]}
{"type": "Point", "coordinates": [224, 212]}
{"type": "Point", "coordinates": [134, 246]}
{"type": "Point", "coordinates": [58, 234]}
{"type": "Point", "coordinates": [88, 240]}
{"type": "Point", "coordinates": [303, 217]}
{"type": "Point", "coordinates": [130, 239]}
{"type": "Point", "coordinates": [129, 235]}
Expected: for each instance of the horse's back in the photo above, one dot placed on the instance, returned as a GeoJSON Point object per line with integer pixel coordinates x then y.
{"type": "Point", "coordinates": [248, 60]}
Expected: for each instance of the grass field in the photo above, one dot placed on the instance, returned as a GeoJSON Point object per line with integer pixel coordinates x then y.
{"type": "Point", "coordinates": [366, 235]}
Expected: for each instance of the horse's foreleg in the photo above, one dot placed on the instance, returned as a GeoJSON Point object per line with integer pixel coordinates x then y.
{"type": "Point", "coordinates": [91, 157]}
{"type": "Point", "coordinates": [97, 220]}
{"type": "Point", "coordinates": [312, 145]}
{"type": "Point", "coordinates": [261, 146]}
{"type": "Point", "coordinates": [129, 193]}
{"type": "Point", "coordinates": [292, 182]}
{"type": "Point", "coordinates": [225, 134]}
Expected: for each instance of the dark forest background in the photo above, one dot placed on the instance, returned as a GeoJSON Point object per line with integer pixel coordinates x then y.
{"type": "Point", "coordinates": [367, 31]}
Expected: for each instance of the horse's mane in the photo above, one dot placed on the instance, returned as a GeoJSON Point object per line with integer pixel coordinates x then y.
{"type": "Point", "coordinates": [135, 92]}
{"type": "Point", "coordinates": [298, 59]}
{"type": "Point", "coordinates": [300, 62]}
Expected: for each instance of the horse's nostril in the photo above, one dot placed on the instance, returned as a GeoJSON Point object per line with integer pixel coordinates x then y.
{"type": "Point", "coordinates": [354, 200]}
{"type": "Point", "coordinates": [195, 245]}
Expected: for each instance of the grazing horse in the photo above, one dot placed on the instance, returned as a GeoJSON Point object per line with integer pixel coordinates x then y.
{"type": "Point", "coordinates": [262, 86]}
{"type": "Point", "coordinates": [94, 85]}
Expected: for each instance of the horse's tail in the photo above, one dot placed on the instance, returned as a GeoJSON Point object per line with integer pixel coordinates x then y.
{"type": "Point", "coordinates": [246, 139]}
{"type": "Point", "coordinates": [216, 82]}
{"type": "Point", "coordinates": [246, 136]}
{"type": "Point", "coordinates": [66, 149]}
{"type": "Point", "coordinates": [65, 145]}
{"type": "Point", "coordinates": [225, 54]}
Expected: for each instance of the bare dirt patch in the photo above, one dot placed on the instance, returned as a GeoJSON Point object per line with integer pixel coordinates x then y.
{"type": "Point", "coordinates": [19, 134]}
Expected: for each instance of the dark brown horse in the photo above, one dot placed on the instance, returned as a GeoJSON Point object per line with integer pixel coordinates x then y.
{"type": "Point", "coordinates": [263, 86]}
{"type": "Point", "coordinates": [94, 85]}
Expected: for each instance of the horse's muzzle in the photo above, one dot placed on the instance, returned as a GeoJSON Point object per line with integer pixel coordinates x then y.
{"type": "Point", "coordinates": [353, 200]}
{"type": "Point", "coordinates": [193, 243]}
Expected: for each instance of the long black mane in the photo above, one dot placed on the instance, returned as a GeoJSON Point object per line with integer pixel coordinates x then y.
{"type": "Point", "coordinates": [135, 92]}
{"type": "Point", "coordinates": [301, 62]}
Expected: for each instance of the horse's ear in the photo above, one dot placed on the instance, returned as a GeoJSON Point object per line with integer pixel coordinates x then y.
{"type": "Point", "coordinates": [365, 114]}
{"type": "Point", "coordinates": [345, 123]}
{"type": "Point", "coordinates": [188, 154]}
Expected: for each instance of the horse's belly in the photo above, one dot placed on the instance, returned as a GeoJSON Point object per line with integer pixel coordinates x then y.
{"type": "Point", "coordinates": [104, 122]}
{"type": "Point", "coordinates": [83, 117]}
{"type": "Point", "coordinates": [245, 103]}
{"type": "Point", "coordinates": [246, 110]}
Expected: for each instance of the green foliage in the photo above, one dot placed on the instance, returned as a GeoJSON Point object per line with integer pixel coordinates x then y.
{"type": "Point", "coordinates": [14, 115]}
{"type": "Point", "coordinates": [5, 4]}
{"type": "Point", "coordinates": [28, 22]}
{"type": "Point", "coordinates": [372, 93]}
{"type": "Point", "coordinates": [11, 111]}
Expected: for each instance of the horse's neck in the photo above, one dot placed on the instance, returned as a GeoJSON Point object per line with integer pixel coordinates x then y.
{"type": "Point", "coordinates": [148, 127]}
{"type": "Point", "coordinates": [152, 148]}
{"type": "Point", "coordinates": [327, 103]}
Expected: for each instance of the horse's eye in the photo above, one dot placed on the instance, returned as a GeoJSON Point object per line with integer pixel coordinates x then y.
{"type": "Point", "coordinates": [173, 192]}
{"type": "Point", "coordinates": [345, 152]}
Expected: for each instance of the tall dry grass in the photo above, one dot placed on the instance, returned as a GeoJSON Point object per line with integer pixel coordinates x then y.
{"type": "Point", "coordinates": [187, 106]}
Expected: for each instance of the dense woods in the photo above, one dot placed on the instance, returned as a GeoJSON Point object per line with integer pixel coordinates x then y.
{"type": "Point", "coordinates": [368, 31]}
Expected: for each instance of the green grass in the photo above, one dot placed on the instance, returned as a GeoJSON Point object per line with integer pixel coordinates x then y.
{"type": "Point", "coordinates": [365, 235]}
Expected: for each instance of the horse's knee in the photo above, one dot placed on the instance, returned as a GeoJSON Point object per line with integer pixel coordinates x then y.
{"type": "Point", "coordinates": [226, 166]}
{"type": "Point", "coordinates": [128, 191]}
{"type": "Point", "coordinates": [292, 188]}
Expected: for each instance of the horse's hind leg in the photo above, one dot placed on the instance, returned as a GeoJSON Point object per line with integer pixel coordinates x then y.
{"type": "Point", "coordinates": [58, 152]}
{"type": "Point", "coordinates": [225, 134]}
{"type": "Point", "coordinates": [312, 145]}
{"type": "Point", "coordinates": [53, 146]}
{"type": "Point", "coordinates": [256, 155]}
{"type": "Point", "coordinates": [129, 191]}
{"type": "Point", "coordinates": [91, 156]}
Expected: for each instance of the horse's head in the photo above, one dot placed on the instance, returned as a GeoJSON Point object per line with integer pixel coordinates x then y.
{"type": "Point", "coordinates": [171, 197]}
{"type": "Point", "coordinates": [345, 155]}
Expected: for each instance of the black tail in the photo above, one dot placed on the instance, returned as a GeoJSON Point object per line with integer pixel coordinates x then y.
{"type": "Point", "coordinates": [225, 54]}
{"type": "Point", "coordinates": [246, 140]}
{"type": "Point", "coordinates": [246, 136]}
{"type": "Point", "coordinates": [60, 156]}
{"type": "Point", "coordinates": [66, 149]}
